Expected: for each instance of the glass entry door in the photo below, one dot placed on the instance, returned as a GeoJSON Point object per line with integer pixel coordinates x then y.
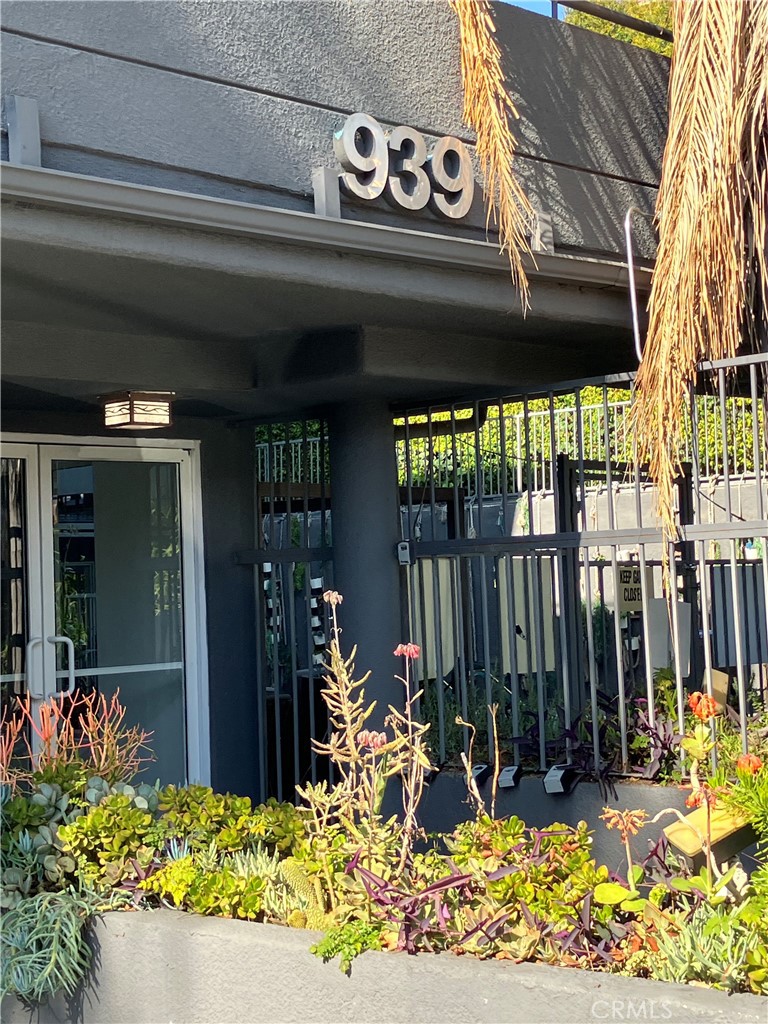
{"type": "Point", "coordinates": [21, 623]}
{"type": "Point", "coordinates": [101, 604]}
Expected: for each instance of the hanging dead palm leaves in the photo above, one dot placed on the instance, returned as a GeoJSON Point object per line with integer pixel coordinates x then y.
{"type": "Point", "coordinates": [710, 285]}
{"type": "Point", "coordinates": [488, 109]}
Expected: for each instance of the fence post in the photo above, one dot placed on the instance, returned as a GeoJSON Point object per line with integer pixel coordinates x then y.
{"type": "Point", "coordinates": [364, 502]}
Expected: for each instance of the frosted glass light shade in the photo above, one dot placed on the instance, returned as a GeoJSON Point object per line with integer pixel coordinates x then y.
{"type": "Point", "coordinates": [137, 410]}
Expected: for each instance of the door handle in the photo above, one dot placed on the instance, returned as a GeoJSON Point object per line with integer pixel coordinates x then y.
{"type": "Point", "coordinates": [31, 690]}
{"type": "Point", "coordinates": [70, 663]}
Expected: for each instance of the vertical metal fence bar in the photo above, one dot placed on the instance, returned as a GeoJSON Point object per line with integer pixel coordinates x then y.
{"type": "Point", "coordinates": [290, 617]}
{"type": "Point", "coordinates": [263, 734]}
{"type": "Point", "coordinates": [312, 682]}
{"type": "Point", "coordinates": [739, 638]}
{"type": "Point", "coordinates": [415, 593]}
{"type": "Point", "coordinates": [534, 562]}
{"type": "Point", "coordinates": [760, 465]}
{"type": "Point", "coordinates": [619, 654]}
{"type": "Point", "coordinates": [558, 597]}
{"type": "Point", "coordinates": [461, 682]}
{"type": "Point", "coordinates": [294, 669]}
{"type": "Point", "coordinates": [580, 454]}
{"type": "Point", "coordinates": [504, 472]}
{"type": "Point", "coordinates": [649, 688]}
{"type": "Point", "coordinates": [591, 658]}
{"type": "Point", "coordinates": [486, 635]}
{"type": "Point", "coordinates": [701, 554]}
{"type": "Point", "coordinates": [514, 671]}
{"type": "Point", "coordinates": [518, 448]}
{"type": "Point", "coordinates": [675, 616]}
{"type": "Point", "coordinates": [735, 594]}
{"type": "Point", "coordinates": [458, 506]}
{"type": "Point", "coordinates": [307, 475]}
{"type": "Point", "coordinates": [426, 654]}
{"type": "Point", "coordinates": [528, 468]}
{"type": "Point", "coordinates": [275, 634]}
{"type": "Point", "coordinates": [440, 673]}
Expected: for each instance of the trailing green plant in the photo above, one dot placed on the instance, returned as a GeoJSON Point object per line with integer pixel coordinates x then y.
{"type": "Point", "coordinates": [348, 941]}
{"type": "Point", "coordinates": [539, 883]}
{"type": "Point", "coordinates": [712, 947]}
{"type": "Point", "coordinates": [43, 944]}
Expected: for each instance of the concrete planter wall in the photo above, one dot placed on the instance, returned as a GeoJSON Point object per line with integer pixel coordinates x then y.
{"type": "Point", "coordinates": [166, 966]}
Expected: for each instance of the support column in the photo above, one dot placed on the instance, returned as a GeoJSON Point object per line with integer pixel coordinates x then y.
{"type": "Point", "coordinates": [365, 510]}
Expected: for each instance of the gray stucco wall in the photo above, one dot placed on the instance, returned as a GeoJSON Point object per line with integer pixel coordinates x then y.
{"type": "Point", "coordinates": [170, 966]}
{"type": "Point", "coordinates": [239, 100]}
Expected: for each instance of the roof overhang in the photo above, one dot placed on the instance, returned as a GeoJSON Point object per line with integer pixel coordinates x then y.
{"type": "Point", "coordinates": [163, 206]}
{"type": "Point", "coordinates": [254, 309]}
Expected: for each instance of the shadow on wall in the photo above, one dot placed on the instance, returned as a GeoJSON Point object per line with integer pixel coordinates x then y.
{"type": "Point", "coordinates": [591, 103]}
{"type": "Point", "coordinates": [240, 100]}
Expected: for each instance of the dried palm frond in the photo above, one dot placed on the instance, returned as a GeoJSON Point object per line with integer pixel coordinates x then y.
{"type": "Point", "coordinates": [488, 110]}
{"type": "Point", "coordinates": [710, 285]}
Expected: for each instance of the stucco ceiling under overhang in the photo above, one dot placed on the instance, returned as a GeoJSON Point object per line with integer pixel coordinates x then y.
{"type": "Point", "coordinates": [257, 325]}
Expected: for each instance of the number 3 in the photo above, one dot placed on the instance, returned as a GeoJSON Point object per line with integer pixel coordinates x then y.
{"type": "Point", "coordinates": [372, 164]}
{"type": "Point", "coordinates": [417, 196]}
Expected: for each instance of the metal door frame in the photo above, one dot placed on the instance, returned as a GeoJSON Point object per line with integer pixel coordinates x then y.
{"type": "Point", "coordinates": [42, 450]}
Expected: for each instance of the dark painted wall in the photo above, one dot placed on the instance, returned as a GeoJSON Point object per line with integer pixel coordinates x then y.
{"type": "Point", "coordinates": [226, 456]}
{"type": "Point", "coordinates": [240, 99]}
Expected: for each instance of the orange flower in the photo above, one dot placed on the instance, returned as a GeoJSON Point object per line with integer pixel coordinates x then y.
{"type": "Point", "coordinates": [702, 705]}
{"type": "Point", "coordinates": [693, 699]}
{"type": "Point", "coordinates": [407, 651]}
{"type": "Point", "coordinates": [749, 763]}
{"type": "Point", "coordinates": [706, 708]}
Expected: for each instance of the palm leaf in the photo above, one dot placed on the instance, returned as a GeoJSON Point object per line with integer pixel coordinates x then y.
{"type": "Point", "coordinates": [488, 110]}
{"type": "Point", "coordinates": [710, 284]}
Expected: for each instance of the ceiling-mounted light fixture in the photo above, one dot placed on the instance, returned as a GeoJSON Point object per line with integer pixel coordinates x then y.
{"type": "Point", "coordinates": [137, 410]}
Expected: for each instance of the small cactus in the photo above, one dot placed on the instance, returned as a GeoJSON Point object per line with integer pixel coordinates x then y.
{"type": "Point", "coordinates": [308, 892]}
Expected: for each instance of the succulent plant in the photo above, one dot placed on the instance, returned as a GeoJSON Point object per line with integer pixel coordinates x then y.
{"type": "Point", "coordinates": [307, 897]}
{"type": "Point", "coordinates": [32, 858]}
{"type": "Point", "coordinates": [143, 796]}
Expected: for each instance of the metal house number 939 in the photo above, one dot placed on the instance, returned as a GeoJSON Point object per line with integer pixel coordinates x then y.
{"type": "Point", "coordinates": [398, 167]}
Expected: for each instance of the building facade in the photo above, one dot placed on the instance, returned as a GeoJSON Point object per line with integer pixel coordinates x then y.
{"type": "Point", "coordinates": [173, 222]}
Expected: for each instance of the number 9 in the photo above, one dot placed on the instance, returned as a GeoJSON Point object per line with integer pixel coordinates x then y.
{"type": "Point", "coordinates": [361, 149]}
{"type": "Point", "coordinates": [450, 169]}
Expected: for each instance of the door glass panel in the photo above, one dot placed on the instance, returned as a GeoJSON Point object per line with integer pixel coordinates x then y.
{"type": "Point", "coordinates": [118, 593]}
{"type": "Point", "coordinates": [13, 576]}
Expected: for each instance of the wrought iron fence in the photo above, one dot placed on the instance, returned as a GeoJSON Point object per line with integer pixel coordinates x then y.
{"type": "Point", "coordinates": [537, 581]}
{"type": "Point", "coordinates": [528, 435]}
{"type": "Point", "coordinates": [292, 567]}
{"type": "Point", "coordinates": [543, 591]}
